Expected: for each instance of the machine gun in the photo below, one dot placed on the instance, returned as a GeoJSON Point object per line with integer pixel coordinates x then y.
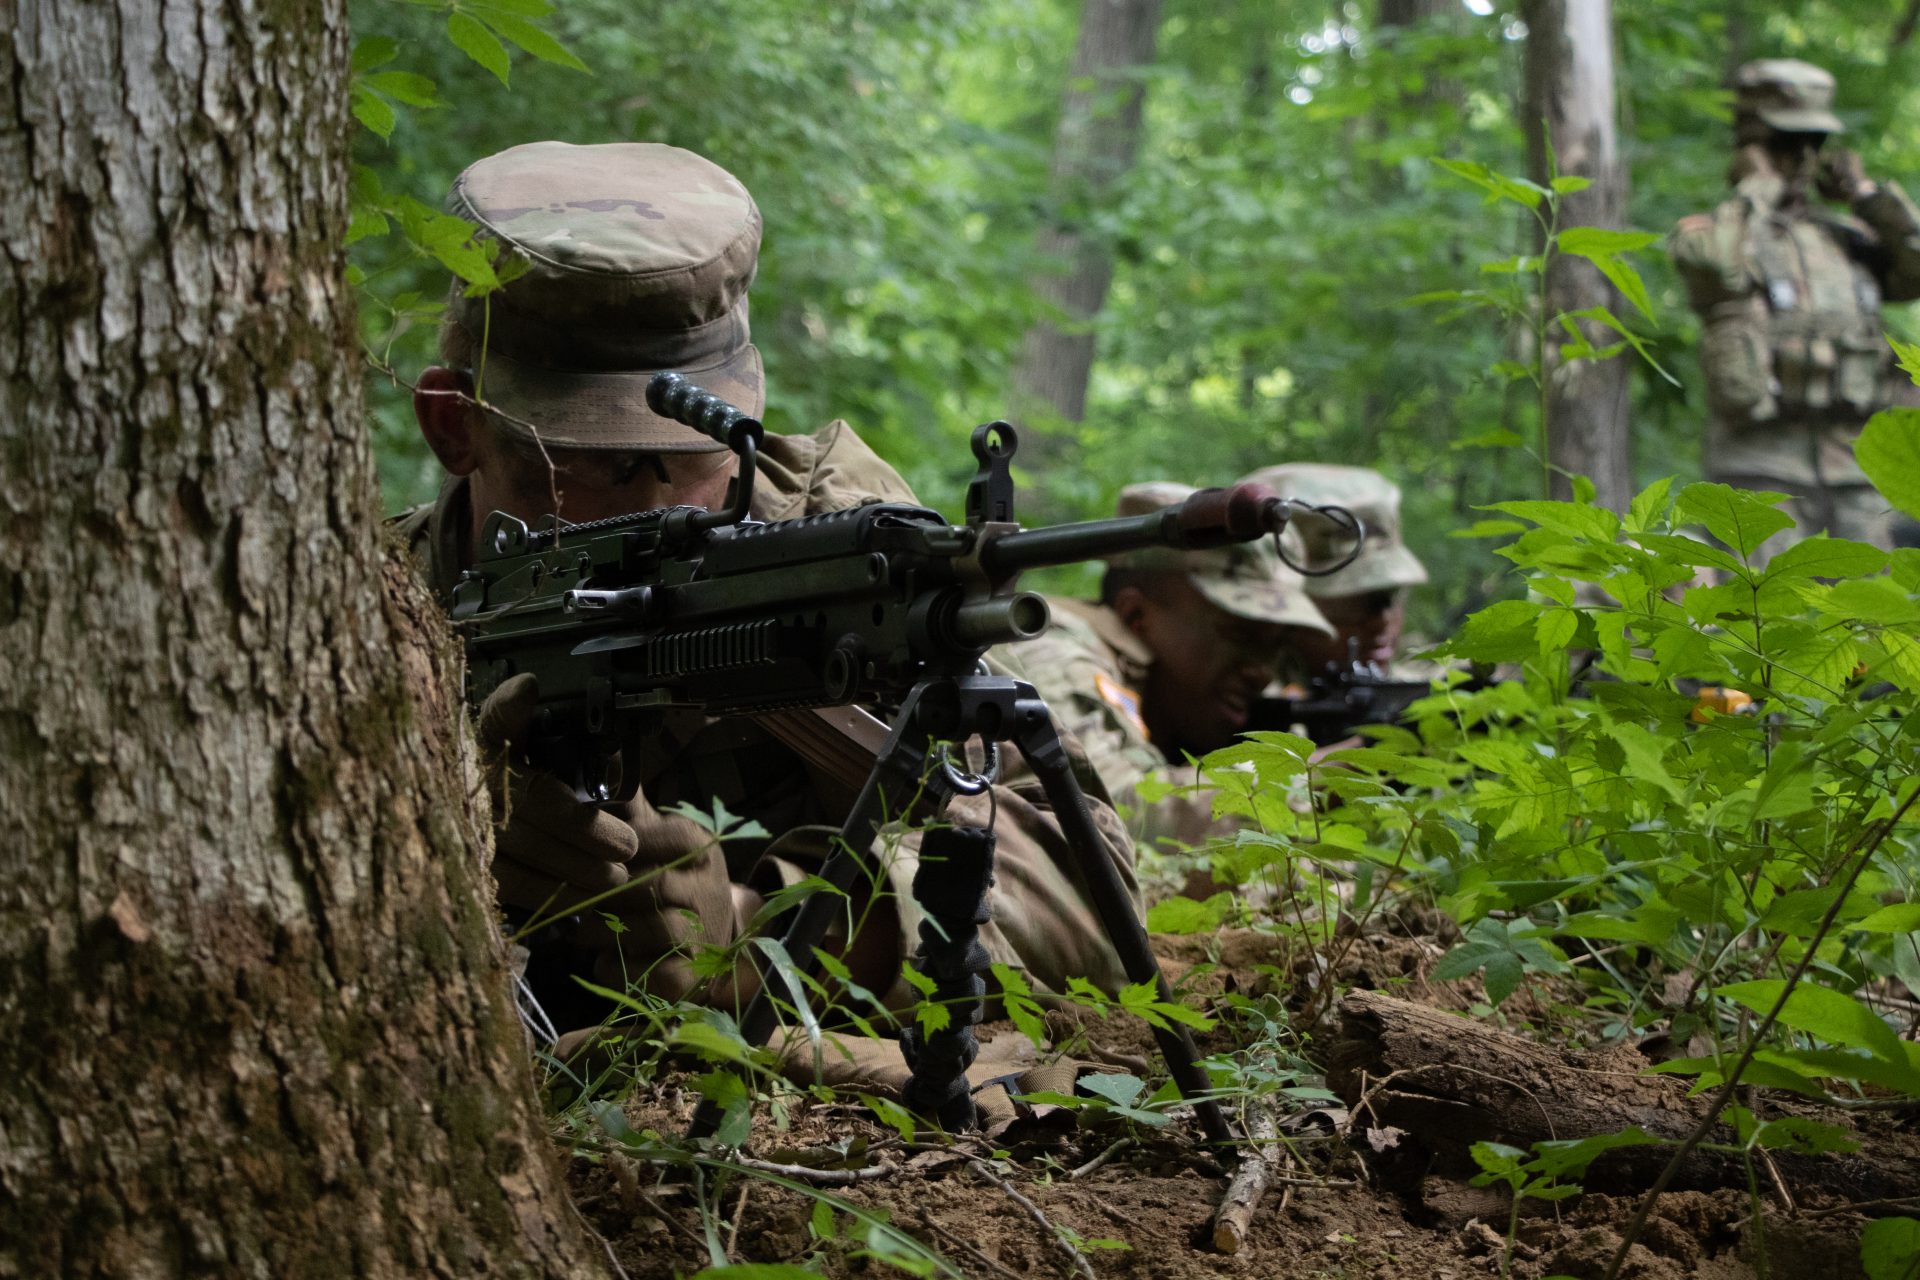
{"type": "Point", "coordinates": [1339, 701]}
{"type": "Point", "coordinates": [886, 605]}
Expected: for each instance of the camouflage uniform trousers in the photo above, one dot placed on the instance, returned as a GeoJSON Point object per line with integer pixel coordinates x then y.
{"type": "Point", "coordinates": [1043, 922]}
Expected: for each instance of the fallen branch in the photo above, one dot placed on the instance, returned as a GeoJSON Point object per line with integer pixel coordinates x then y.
{"type": "Point", "coordinates": [1060, 1242]}
{"type": "Point", "coordinates": [1100, 1159]}
{"type": "Point", "coordinates": [819, 1177]}
{"type": "Point", "coordinates": [1235, 1215]}
{"type": "Point", "coordinates": [1450, 1082]}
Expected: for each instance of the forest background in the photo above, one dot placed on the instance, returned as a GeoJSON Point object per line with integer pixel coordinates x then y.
{"type": "Point", "coordinates": [1281, 210]}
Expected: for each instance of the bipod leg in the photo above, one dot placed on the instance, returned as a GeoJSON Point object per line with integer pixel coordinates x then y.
{"type": "Point", "coordinates": [951, 885]}
{"type": "Point", "coordinates": [1039, 742]}
{"type": "Point", "coordinates": [899, 769]}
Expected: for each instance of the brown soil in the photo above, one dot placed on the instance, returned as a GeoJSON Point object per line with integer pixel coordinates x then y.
{"type": "Point", "coordinates": [1157, 1195]}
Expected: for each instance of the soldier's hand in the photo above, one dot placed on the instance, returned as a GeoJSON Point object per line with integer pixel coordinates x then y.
{"type": "Point", "coordinates": [553, 854]}
{"type": "Point", "coordinates": [679, 899]}
{"type": "Point", "coordinates": [1842, 176]}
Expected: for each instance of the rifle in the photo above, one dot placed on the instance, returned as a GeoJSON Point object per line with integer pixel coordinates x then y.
{"type": "Point", "coordinates": [1338, 701]}
{"type": "Point", "coordinates": [886, 605]}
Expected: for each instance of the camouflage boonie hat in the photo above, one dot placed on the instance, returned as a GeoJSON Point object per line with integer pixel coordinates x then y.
{"type": "Point", "coordinates": [639, 257]}
{"type": "Point", "coordinates": [1384, 563]}
{"type": "Point", "coordinates": [1248, 579]}
{"type": "Point", "coordinates": [1787, 94]}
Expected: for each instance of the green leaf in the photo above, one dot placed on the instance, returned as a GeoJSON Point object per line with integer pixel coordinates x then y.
{"type": "Point", "coordinates": [757, 1271]}
{"type": "Point", "coordinates": [1807, 1136]}
{"type": "Point", "coordinates": [1822, 1012]}
{"type": "Point", "coordinates": [478, 43]}
{"type": "Point", "coordinates": [535, 41]}
{"type": "Point", "coordinates": [794, 981]}
{"type": "Point", "coordinates": [372, 111]}
{"type": "Point", "coordinates": [404, 86]}
{"type": "Point", "coordinates": [1569, 1157]}
{"type": "Point", "coordinates": [1568, 183]}
{"type": "Point", "coordinates": [1824, 557]}
{"type": "Point", "coordinates": [1576, 519]}
{"type": "Point", "coordinates": [1907, 355]}
{"type": "Point", "coordinates": [1600, 315]}
{"type": "Point", "coordinates": [893, 1115]}
{"type": "Point", "coordinates": [1890, 1249]}
{"type": "Point", "coordinates": [1644, 755]}
{"type": "Point", "coordinates": [374, 51]}
{"type": "Point", "coordinates": [1901, 917]}
{"type": "Point", "coordinates": [712, 1043]}
{"type": "Point", "coordinates": [1740, 518]}
{"type": "Point", "coordinates": [1648, 505]}
{"type": "Point", "coordinates": [1119, 1089]}
{"type": "Point", "coordinates": [1184, 915]}
{"type": "Point", "coordinates": [1888, 450]}
{"type": "Point", "coordinates": [1876, 600]}
{"type": "Point", "coordinates": [523, 8]}
{"type": "Point", "coordinates": [1600, 247]}
{"type": "Point", "coordinates": [1498, 186]}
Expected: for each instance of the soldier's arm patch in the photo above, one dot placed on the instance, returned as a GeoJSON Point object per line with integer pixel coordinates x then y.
{"type": "Point", "coordinates": [1122, 699]}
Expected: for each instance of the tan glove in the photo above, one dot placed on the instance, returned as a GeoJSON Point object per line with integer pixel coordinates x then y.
{"type": "Point", "coordinates": [1008, 1064]}
{"type": "Point", "coordinates": [661, 876]}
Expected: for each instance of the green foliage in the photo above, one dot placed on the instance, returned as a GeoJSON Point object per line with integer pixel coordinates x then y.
{"type": "Point", "coordinates": [1890, 1249]}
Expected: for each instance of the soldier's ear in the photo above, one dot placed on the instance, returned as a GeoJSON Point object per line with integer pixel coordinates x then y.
{"type": "Point", "coordinates": [1132, 607]}
{"type": "Point", "coordinates": [449, 420]}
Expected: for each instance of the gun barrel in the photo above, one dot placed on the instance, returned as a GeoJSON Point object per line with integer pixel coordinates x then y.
{"type": "Point", "coordinates": [1001, 620]}
{"type": "Point", "coordinates": [1210, 518]}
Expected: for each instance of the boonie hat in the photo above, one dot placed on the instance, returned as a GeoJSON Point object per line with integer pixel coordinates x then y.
{"type": "Point", "coordinates": [1787, 94]}
{"type": "Point", "coordinates": [638, 257]}
{"type": "Point", "coordinates": [1384, 563]}
{"type": "Point", "coordinates": [1248, 580]}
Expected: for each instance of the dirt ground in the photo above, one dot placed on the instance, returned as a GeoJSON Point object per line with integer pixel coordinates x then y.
{"type": "Point", "coordinates": [1145, 1209]}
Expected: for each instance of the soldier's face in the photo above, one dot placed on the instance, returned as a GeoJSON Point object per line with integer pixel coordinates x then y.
{"type": "Point", "coordinates": [1367, 629]}
{"type": "Point", "coordinates": [1208, 667]}
{"type": "Point", "coordinates": [1796, 156]}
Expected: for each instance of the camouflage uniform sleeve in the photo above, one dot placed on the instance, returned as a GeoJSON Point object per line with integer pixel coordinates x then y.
{"type": "Point", "coordinates": [1710, 252]}
{"type": "Point", "coordinates": [1895, 223]}
{"type": "Point", "coordinates": [1094, 703]}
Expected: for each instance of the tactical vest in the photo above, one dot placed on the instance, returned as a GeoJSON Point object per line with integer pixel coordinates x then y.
{"type": "Point", "coordinates": [1805, 348]}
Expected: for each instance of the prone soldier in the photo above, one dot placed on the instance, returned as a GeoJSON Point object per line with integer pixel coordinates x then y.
{"type": "Point", "coordinates": [1168, 664]}
{"type": "Point", "coordinates": [638, 259]}
{"type": "Point", "coordinates": [1789, 295]}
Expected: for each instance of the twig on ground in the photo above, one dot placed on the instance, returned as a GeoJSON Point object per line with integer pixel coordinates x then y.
{"type": "Point", "coordinates": [926, 1220]}
{"type": "Point", "coordinates": [1060, 1242]}
{"type": "Point", "coordinates": [1779, 1183]}
{"type": "Point", "coordinates": [1100, 1159]}
{"type": "Point", "coordinates": [820, 1177]}
{"type": "Point", "coordinates": [1235, 1215]}
{"type": "Point", "coordinates": [739, 1212]}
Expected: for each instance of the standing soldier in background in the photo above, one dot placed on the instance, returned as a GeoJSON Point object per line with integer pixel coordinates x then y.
{"type": "Point", "coordinates": [1789, 295]}
{"type": "Point", "coordinates": [1168, 664]}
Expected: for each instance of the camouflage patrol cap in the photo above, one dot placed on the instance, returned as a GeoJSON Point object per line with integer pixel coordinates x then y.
{"type": "Point", "coordinates": [1248, 579]}
{"type": "Point", "coordinates": [1384, 563]}
{"type": "Point", "coordinates": [639, 256]}
{"type": "Point", "coordinates": [1787, 94]}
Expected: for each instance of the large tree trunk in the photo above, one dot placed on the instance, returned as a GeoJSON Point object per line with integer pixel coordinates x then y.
{"type": "Point", "coordinates": [1569, 89]}
{"type": "Point", "coordinates": [253, 1013]}
{"type": "Point", "coordinates": [1093, 150]}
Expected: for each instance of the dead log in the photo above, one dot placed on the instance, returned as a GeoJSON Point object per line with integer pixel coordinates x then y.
{"type": "Point", "coordinates": [1450, 1081]}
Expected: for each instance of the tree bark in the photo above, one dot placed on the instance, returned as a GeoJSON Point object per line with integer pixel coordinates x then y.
{"type": "Point", "coordinates": [1093, 151]}
{"type": "Point", "coordinates": [1451, 1081]}
{"type": "Point", "coordinates": [1570, 104]}
{"type": "Point", "coordinates": [254, 1018]}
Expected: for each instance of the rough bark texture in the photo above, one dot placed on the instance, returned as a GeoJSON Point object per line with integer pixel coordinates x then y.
{"type": "Point", "coordinates": [1450, 1082]}
{"type": "Point", "coordinates": [1093, 150]}
{"type": "Point", "coordinates": [1569, 88]}
{"type": "Point", "coordinates": [253, 1013]}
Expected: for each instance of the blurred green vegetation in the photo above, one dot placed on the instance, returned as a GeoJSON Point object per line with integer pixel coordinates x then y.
{"type": "Point", "coordinates": [1280, 212]}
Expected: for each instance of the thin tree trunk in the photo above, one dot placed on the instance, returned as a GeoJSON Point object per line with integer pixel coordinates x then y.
{"type": "Point", "coordinates": [1093, 151]}
{"type": "Point", "coordinates": [1570, 89]}
{"type": "Point", "coordinates": [253, 1012]}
